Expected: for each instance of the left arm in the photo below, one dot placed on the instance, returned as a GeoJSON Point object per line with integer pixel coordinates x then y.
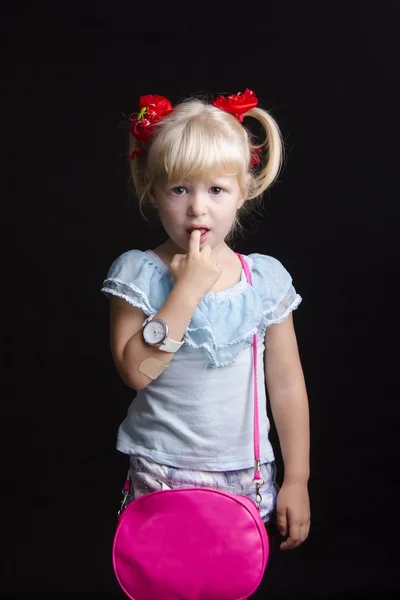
{"type": "Point", "coordinates": [289, 405]}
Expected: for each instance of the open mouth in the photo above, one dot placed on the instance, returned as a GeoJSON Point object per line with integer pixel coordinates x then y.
{"type": "Point", "coordinates": [201, 229]}
{"type": "Point", "coordinates": [203, 232]}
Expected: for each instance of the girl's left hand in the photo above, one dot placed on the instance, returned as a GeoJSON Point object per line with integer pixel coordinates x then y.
{"type": "Point", "coordinates": [293, 514]}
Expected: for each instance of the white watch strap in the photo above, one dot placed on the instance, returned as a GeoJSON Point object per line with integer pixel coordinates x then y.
{"type": "Point", "coordinates": [169, 345]}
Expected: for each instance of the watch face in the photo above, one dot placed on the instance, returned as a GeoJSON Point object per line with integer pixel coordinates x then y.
{"type": "Point", "coordinates": [154, 332]}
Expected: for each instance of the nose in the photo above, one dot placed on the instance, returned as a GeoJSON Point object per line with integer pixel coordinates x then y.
{"type": "Point", "coordinates": [197, 203]}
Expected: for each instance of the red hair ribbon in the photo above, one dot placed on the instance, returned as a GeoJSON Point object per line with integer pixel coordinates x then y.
{"type": "Point", "coordinates": [136, 152]}
{"type": "Point", "coordinates": [254, 156]}
{"type": "Point", "coordinates": [237, 104]}
{"type": "Point", "coordinates": [152, 108]}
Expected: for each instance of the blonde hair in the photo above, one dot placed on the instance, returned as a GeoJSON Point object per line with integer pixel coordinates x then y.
{"type": "Point", "coordinates": [198, 140]}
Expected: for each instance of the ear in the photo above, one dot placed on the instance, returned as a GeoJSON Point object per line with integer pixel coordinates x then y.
{"type": "Point", "coordinates": [151, 194]}
{"type": "Point", "coordinates": [152, 199]}
{"type": "Point", "coordinates": [245, 190]}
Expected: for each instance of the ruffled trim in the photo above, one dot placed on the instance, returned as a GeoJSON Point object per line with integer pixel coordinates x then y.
{"type": "Point", "coordinates": [227, 344]}
{"type": "Point", "coordinates": [297, 300]}
{"type": "Point", "coordinates": [129, 292]}
{"type": "Point", "coordinates": [213, 351]}
{"type": "Point", "coordinates": [269, 319]}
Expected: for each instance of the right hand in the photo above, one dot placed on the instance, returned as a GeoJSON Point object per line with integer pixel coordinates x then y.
{"type": "Point", "coordinates": [196, 270]}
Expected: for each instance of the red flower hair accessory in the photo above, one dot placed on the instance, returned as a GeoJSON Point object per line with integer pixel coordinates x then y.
{"type": "Point", "coordinates": [255, 159]}
{"type": "Point", "coordinates": [152, 108]}
{"type": "Point", "coordinates": [237, 104]}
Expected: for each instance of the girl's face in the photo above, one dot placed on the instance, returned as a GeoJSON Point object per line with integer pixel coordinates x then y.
{"type": "Point", "coordinates": [210, 204]}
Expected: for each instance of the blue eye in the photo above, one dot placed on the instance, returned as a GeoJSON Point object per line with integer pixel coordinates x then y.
{"type": "Point", "coordinates": [179, 190]}
{"type": "Point", "coordinates": [215, 190]}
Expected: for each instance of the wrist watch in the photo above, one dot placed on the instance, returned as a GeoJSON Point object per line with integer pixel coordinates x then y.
{"type": "Point", "coordinates": [155, 333]}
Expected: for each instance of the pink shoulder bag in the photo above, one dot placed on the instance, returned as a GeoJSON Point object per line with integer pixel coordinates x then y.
{"type": "Point", "coordinates": [193, 543]}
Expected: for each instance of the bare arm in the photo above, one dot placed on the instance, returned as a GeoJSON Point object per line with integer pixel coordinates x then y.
{"type": "Point", "coordinates": [127, 345]}
{"type": "Point", "coordinates": [288, 398]}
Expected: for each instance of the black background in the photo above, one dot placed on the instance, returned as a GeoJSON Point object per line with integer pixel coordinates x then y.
{"type": "Point", "coordinates": [72, 74]}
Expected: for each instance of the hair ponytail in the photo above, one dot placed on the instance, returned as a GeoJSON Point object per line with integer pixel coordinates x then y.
{"type": "Point", "coordinates": [273, 142]}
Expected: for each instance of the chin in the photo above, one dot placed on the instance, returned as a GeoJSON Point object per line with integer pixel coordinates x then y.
{"type": "Point", "coordinates": [179, 245]}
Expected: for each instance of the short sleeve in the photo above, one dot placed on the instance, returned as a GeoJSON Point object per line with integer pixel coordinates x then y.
{"type": "Point", "coordinates": [275, 286]}
{"type": "Point", "coordinates": [131, 278]}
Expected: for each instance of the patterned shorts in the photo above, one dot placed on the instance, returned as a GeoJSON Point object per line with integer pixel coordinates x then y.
{"type": "Point", "coordinates": [149, 477]}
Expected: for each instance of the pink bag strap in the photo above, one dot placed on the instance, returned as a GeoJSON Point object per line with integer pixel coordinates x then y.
{"type": "Point", "coordinates": [257, 456]}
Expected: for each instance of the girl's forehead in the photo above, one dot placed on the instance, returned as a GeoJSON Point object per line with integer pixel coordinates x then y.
{"type": "Point", "coordinates": [204, 180]}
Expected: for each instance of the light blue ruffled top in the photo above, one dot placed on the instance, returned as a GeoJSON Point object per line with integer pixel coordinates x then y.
{"type": "Point", "coordinates": [197, 414]}
{"type": "Point", "coordinates": [224, 322]}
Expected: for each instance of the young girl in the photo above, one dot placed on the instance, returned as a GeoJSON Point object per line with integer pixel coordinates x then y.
{"type": "Point", "coordinates": [183, 315]}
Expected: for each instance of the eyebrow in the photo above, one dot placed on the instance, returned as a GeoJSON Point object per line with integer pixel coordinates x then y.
{"type": "Point", "coordinates": [218, 181]}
